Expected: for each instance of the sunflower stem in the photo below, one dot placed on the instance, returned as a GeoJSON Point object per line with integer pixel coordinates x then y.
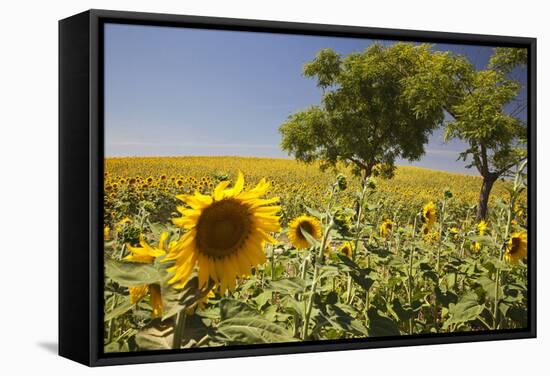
{"type": "Point", "coordinates": [498, 276]}
{"type": "Point", "coordinates": [179, 329]}
{"type": "Point", "coordinates": [357, 237]}
{"type": "Point", "coordinates": [309, 305]}
{"type": "Point", "coordinates": [438, 262]}
{"type": "Point", "coordinates": [272, 263]}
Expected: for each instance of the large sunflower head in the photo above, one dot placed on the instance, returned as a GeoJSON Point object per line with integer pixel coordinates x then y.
{"type": "Point", "coordinates": [146, 254]}
{"type": "Point", "coordinates": [303, 223]}
{"type": "Point", "coordinates": [346, 249]}
{"type": "Point", "coordinates": [428, 214]}
{"type": "Point", "coordinates": [516, 249]}
{"type": "Point", "coordinates": [386, 227]}
{"type": "Point", "coordinates": [226, 234]}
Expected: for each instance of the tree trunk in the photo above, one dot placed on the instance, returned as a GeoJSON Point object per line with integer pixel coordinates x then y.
{"type": "Point", "coordinates": [483, 203]}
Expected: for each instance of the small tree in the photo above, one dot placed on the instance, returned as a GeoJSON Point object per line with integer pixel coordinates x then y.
{"type": "Point", "coordinates": [376, 106]}
{"type": "Point", "coordinates": [482, 117]}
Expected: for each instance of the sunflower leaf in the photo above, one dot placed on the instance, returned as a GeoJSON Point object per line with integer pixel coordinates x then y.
{"type": "Point", "coordinates": [231, 308]}
{"type": "Point", "coordinates": [289, 286]}
{"type": "Point", "coordinates": [118, 310]}
{"type": "Point", "coordinates": [131, 274]}
{"type": "Point", "coordinates": [310, 239]}
{"type": "Point", "coordinates": [253, 329]}
{"type": "Point", "coordinates": [465, 310]}
{"type": "Point", "coordinates": [381, 326]}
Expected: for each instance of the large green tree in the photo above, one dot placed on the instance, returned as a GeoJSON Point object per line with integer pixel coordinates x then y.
{"type": "Point", "coordinates": [376, 106]}
{"type": "Point", "coordinates": [486, 117]}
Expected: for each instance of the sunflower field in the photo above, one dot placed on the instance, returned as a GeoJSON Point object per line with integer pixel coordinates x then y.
{"type": "Point", "coordinates": [215, 251]}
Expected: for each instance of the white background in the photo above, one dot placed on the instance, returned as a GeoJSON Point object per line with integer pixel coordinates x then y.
{"type": "Point", "coordinates": [28, 185]}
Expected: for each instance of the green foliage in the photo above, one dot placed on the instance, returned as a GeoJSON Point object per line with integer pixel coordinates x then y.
{"type": "Point", "coordinates": [388, 98]}
{"type": "Point", "coordinates": [131, 274]}
{"type": "Point", "coordinates": [507, 59]}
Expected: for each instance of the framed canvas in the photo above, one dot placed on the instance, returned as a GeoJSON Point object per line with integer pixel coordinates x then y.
{"type": "Point", "coordinates": [236, 187]}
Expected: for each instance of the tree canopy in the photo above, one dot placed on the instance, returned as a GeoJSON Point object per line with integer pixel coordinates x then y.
{"type": "Point", "coordinates": [376, 106]}
{"type": "Point", "coordinates": [486, 119]}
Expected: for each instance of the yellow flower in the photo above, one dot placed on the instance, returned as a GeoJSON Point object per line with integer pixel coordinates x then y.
{"type": "Point", "coordinates": [455, 231]}
{"type": "Point", "coordinates": [303, 223]}
{"type": "Point", "coordinates": [386, 227]}
{"type": "Point", "coordinates": [428, 213]}
{"type": "Point", "coordinates": [346, 249]}
{"type": "Point", "coordinates": [516, 249]}
{"type": "Point", "coordinates": [122, 222]}
{"type": "Point", "coordinates": [481, 227]}
{"type": "Point", "coordinates": [146, 254]}
{"type": "Point", "coordinates": [226, 234]}
{"type": "Point", "coordinates": [429, 236]}
{"type": "Point", "coordinates": [475, 247]}
{"type": "Point", "coordinates": [518, 211]}
{"type": "Point", "coordinates": [137, 293]}
{"type": "Point", "coordinates": [106, 232]}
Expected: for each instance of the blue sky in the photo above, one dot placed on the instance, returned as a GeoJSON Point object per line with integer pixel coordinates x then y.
{"type": "Point", "coordinates": [175, 91]}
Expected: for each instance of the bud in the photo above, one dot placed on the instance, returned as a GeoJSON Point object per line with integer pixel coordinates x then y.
{"type": "Point", "coordinates": [371, 183]}
{"type": "Point", "coordinates": [448, 193]}
{"type": "Point", "coordinates": [342, 182]}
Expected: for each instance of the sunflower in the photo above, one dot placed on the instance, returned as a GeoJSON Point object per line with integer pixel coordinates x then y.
{"type": "Point", "coordinates": [226, 234]}
{"type": "Point", "coordinates": [303, 223]}
{"type": "Point", "coordinates": [106, 232]}
{"type": "Point", "coordinates": [455, 232]}
{"type": "Point", "coordinates": [481, 227]}
{"type": "Point", "coordinates": [147, 255]}
{"type": "Point", "coordinates": [516, 249]}
{"type": "Point", "coordinates": [429, 236]}
{"type": "Point", "coordinates": [386, 227]}
{"type": "Point", "coordinates": [137, 293]}
{"type": "Point", "coordinates": [346, 249]}
{"type": "Point", "coordinates": [122, 222]}
{"type": "Point", "coordinates": [428, 213]}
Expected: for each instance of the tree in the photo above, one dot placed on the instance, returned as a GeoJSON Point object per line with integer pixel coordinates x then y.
{"type": "Point", "coordinates": [376, 106]}
{"type": "Point", "coordinates": [484, 119]}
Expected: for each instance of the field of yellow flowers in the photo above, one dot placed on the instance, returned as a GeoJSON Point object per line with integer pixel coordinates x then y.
{"type": "Point", "coordinates": [213, 251]}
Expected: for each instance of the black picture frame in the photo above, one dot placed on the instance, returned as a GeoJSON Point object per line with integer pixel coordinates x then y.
{"type": "Point", "coordinates": [81, 177]}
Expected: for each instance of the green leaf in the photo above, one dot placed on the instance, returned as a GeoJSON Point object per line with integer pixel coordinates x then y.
{"type": "Point", "coordinates": [467, 309]}
{"type": "Point", "coordinates": [399, 311]}
{"type": "Point", "coordinates": [290, 286]}
{"type": "Point", "coordinates": [445, 297]}
{"type": "Point", "coordinates": [315, 213]}
{"type": "Point", "coordinates": [118, 310]}
{"type": "Point", "coordinates": [263, 298]}
{"type": "Point", "coordinates": [175, 300]}
{"type": "Point", "coordinates": [131, 274]}
{"type": "Point", "coordinates": [310, 239]}
{"type": "Point", "coordinates": [482, 239]}
{"type": "Point", "coordinates": [155, 339]}
{"type": "Point", "coordinates": [231, 308]}
{"type": "Point", "coordinates": [488, 286]}
{"type": "Point", "coordinates": [342, 320]}
{"type": "Point", "coordinates": [247, 329]}
{"type": "Point", "coordinates": [380, 325]}
{"type": "Point", "coordinates": [292, 305]}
